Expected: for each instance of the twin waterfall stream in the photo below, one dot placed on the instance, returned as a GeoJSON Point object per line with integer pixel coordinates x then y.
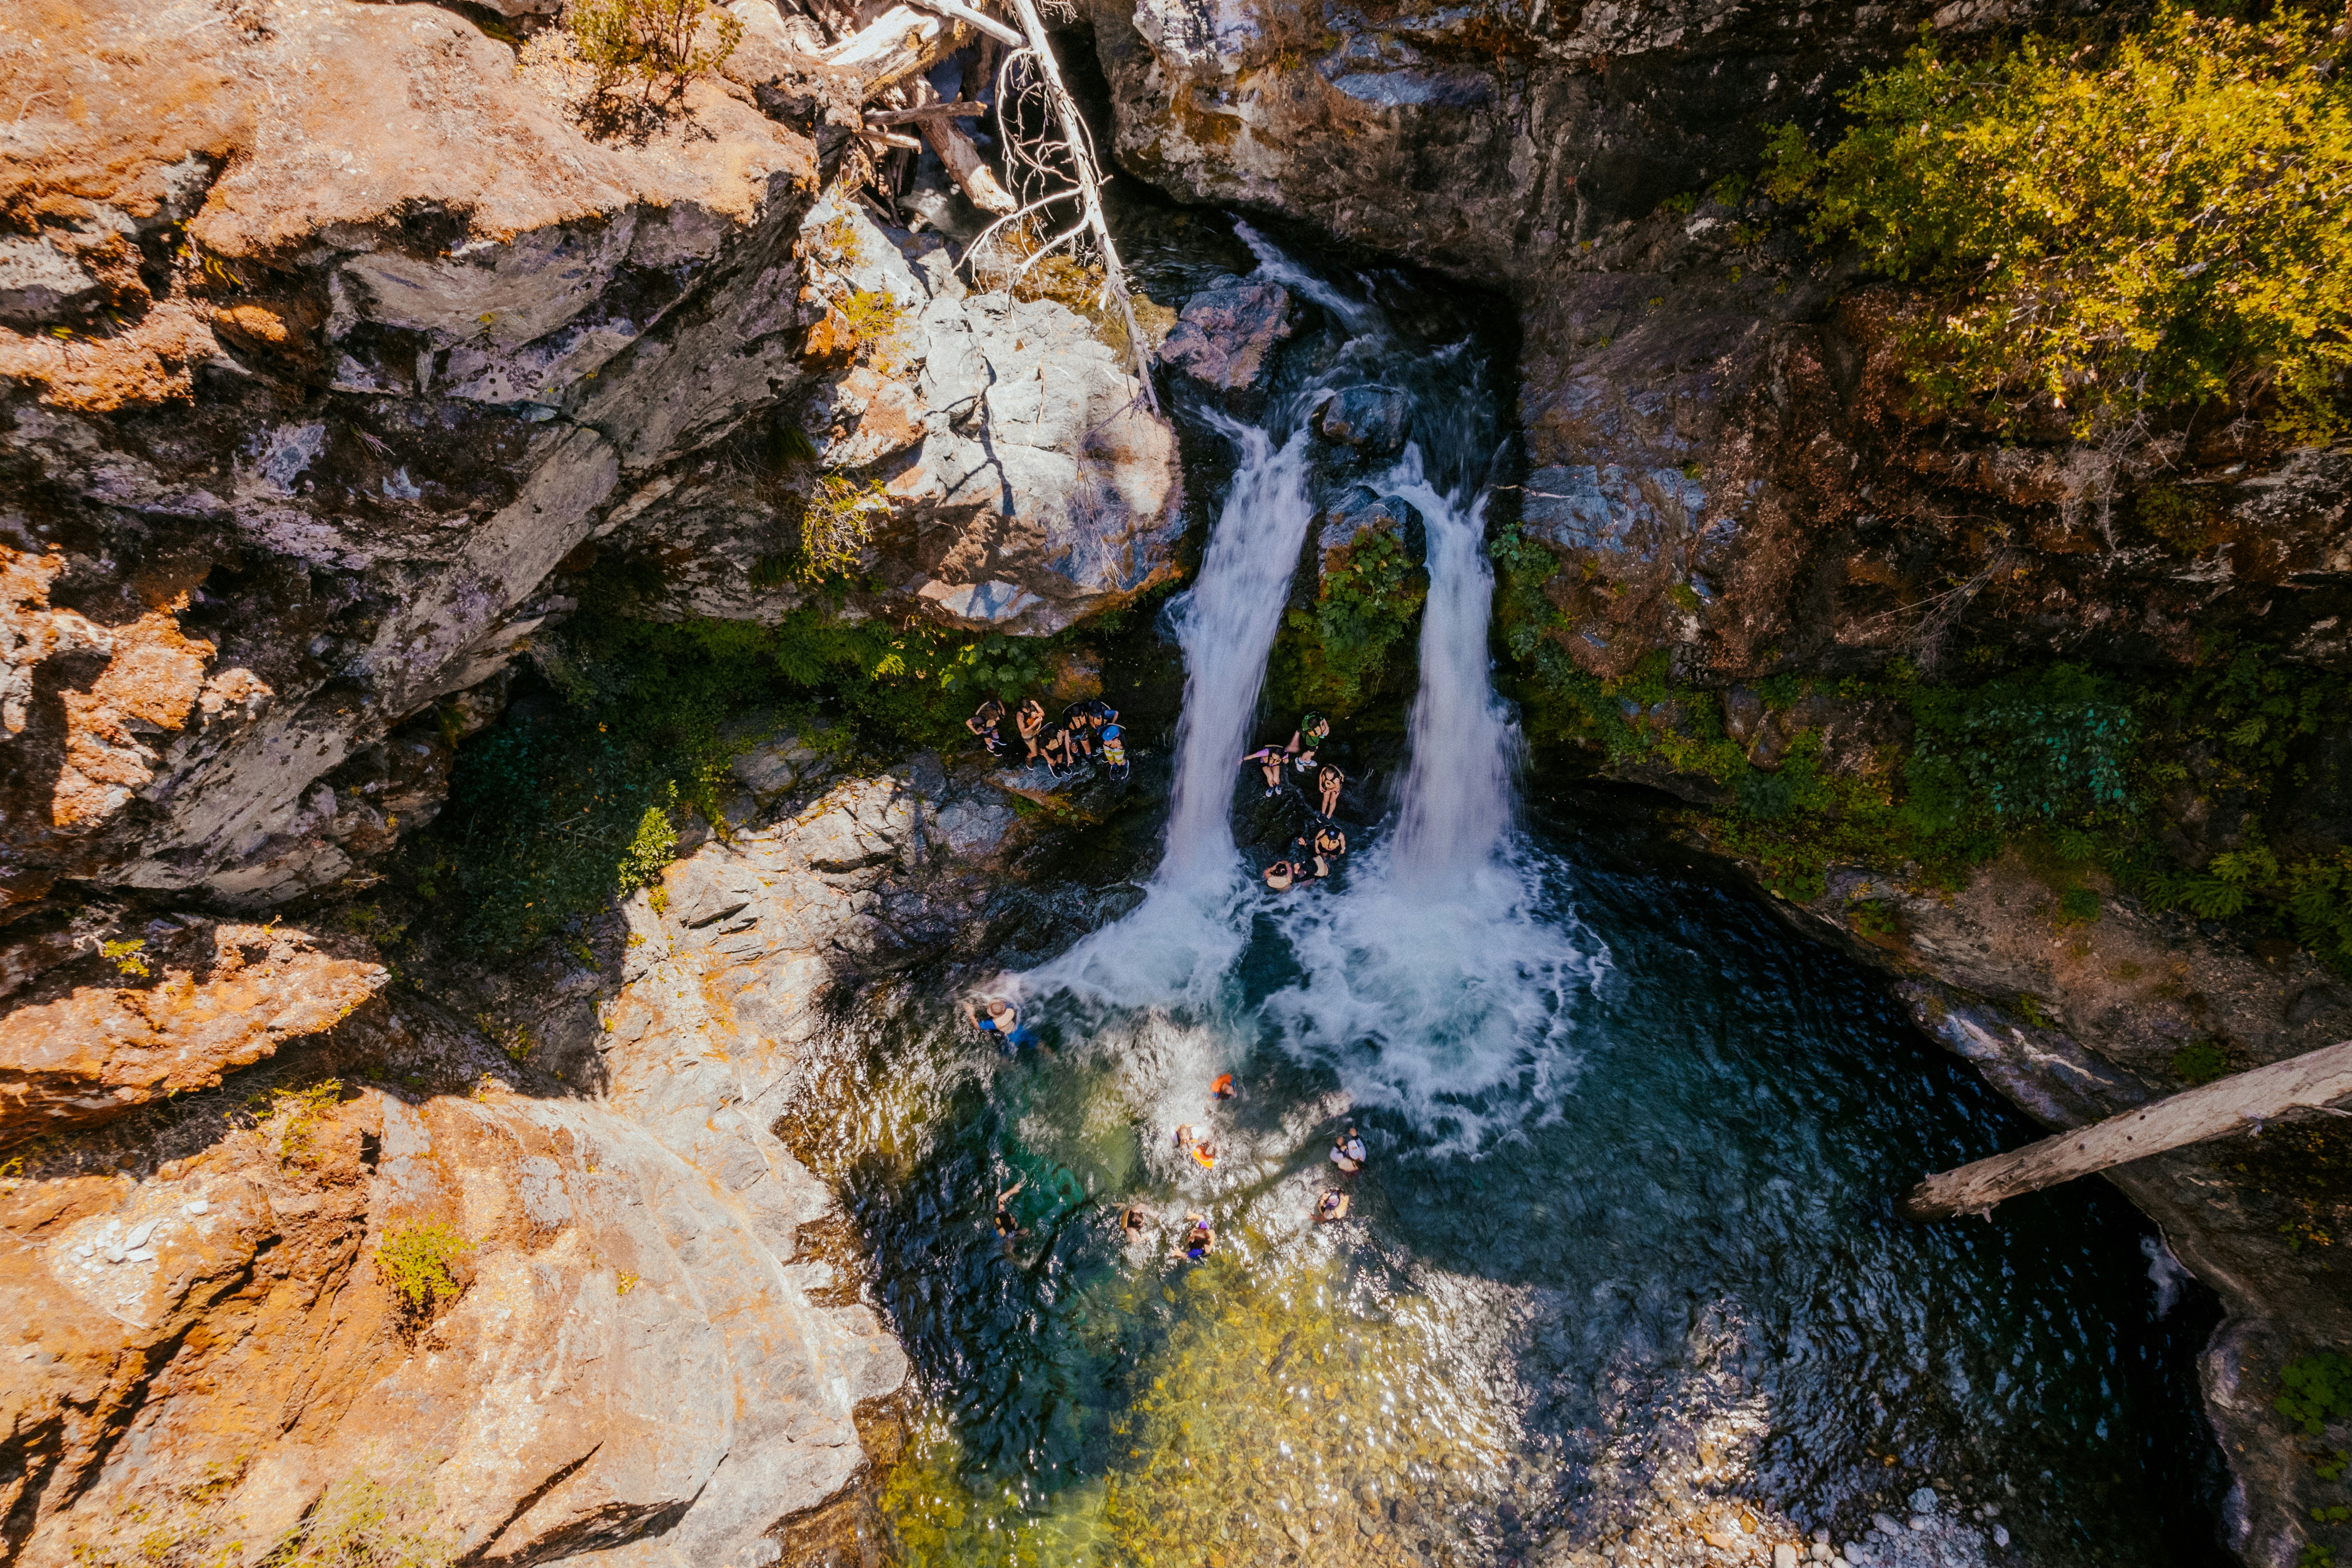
{"type": "Point", "coordinates": [1622, 1272]}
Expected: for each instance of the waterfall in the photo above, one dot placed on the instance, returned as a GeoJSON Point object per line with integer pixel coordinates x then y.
{"type": "Point", "coordinates": [1456, 808]}
{"type": "Point", "coordinates": [1227, 626]}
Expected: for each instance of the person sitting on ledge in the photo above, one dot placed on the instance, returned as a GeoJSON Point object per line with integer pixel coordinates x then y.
{"type": "Point", "coordinates": [1328, 782]}
{"type": "Point", "coordinates": [1031, 721]}
{"type": "Point", "coordinates": [1114, 744]}
{"type": "Point", "coordinates": [1269, 760]}
{"type": "Point", "coordinates": [1333, 1207]}
{"type": "Point", "coordinates": [985, 723]}
{"type": "Point", "coordinates": [1280, 875]}
{"type": "Point", "coordinates": [1348, 1152]}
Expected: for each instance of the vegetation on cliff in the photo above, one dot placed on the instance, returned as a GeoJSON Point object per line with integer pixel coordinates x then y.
{"type": "Point", "coordinates": [2172, 785]}
{"type": "Point", "coordinates": [577, 796]}
{"type": "Point", "coordinates": [2156, 222]}
{"type": "Point", "coordinates": [1335, 654]}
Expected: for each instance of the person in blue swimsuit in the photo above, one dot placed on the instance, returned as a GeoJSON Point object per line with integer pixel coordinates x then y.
{"type": "Point", "coordinates": [1002, 1021]}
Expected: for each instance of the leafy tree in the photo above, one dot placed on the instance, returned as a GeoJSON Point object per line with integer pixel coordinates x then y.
{"type": "Point", "coordinates": [2163, 221]}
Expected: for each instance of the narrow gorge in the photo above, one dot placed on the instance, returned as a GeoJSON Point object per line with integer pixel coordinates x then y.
{"type": "Point", "coordinates": [1646, 625]}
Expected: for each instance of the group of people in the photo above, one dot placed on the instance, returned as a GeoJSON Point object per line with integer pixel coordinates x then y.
{"type": "Point", "coordinates": [1198, 1240]}
{"type": "Point", "coordinates": [1315, 851]}
{"type": "Point", "coordinates": [1087, 728]}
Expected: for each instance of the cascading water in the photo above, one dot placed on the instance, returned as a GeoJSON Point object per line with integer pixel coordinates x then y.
{"type": "Point", "coordinates": [1622, 1269]}
{"type": "Point", "coordinates": [1226, 624]}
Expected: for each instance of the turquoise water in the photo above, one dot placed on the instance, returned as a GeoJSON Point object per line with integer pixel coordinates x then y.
{"type": "Point", "coordinates": [1687, 1224]}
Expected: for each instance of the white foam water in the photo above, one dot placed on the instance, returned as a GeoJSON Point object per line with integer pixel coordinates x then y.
{"type": "Point", "coordinates": [1439, 980]}
{"type": "Point", "coordinates": [1180, 944]}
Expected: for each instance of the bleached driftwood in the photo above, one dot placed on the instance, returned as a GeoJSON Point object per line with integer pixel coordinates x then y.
{"type": "Point", "coordinates": [2240, 1100]}
{"type": "Point", "coordinates": [891, 139]}
{"type": "Point", "coordinates": [978, 21]}
{"type": "Point", "coordinates": [958, 110]}
{"type": "Point", "coordinates": [956, 154]}
{"type": "Point", "coordinates": [900, 43]}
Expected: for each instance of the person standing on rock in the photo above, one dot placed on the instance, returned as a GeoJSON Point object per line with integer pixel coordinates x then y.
{"type": "Point", "coordinates": [1030, 723]}
{"type": "Point", "coordinates": [1312, 732]}
{"type": "Point", "coordinates": [1114, 744]}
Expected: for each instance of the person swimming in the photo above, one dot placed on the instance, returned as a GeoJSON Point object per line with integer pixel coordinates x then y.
{"type": "Point", "coordinates": [1198, 1240]}
{"type": "Point", "coordinates": [1007, 1227]}
{"type": "Point", "coordinates": [1223, 1089]}
{"type": "Point", "coordinates": [1348, 1152]}
{"type": "Point", "coordinates": [1002, 1019]}
{"type": "Point", "coordinates": [1333, 1207]}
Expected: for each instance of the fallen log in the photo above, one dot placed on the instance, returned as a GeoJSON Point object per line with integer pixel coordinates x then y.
{"type": "Point", "coordinates": [958, 110]}
{"type": "Point", "coordinates": [900, 43]}
{"type": "Point", "coordinates": [956, 154]}
{"type": "Point", "coordinates": [890, 138]}
{"type": "Point", "coordinates": [976, 20]}
{"type": "Point", "coordinates": [2193, 1116]}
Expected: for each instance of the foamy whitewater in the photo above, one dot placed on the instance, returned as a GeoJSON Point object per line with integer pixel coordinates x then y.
{"type": "Point", "coordinates": [1434, 977]}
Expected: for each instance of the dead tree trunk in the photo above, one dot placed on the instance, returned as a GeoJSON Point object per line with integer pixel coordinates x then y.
{"type": "Point", "coordinates": [2191, 1116]}
{"type": "Point", "coordinates": [956, 154]}
{"type": "Point", "coordinates": [897, 44]}
{"type": "Point", "coordinates": [1089, 184]}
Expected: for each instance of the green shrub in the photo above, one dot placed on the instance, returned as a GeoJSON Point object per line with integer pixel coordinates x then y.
{"type": "Point", "coordinates": [653, 40]}
{"type": "Point", "coordinates": [649, 853]}
{"type": "Point", "coordinates": [2201, 1061]}
{"type": "Point", "coordinates": [1334, 655]}
{"type": "Point", "coordinates": [413, 1260]}
{"type": "Point", "coordinates": [2317, 1390]}
{"type": "Point", "coordinates": [2046, 744]}
{"type": "Point", "coordinates": [362, 1522]}
{"type": "Point", "coordinates": [2156, 222]}
{"type": "Point", "coordinates": [2077, 906]}
{"type": "Point", "coordinates": [837, 519]}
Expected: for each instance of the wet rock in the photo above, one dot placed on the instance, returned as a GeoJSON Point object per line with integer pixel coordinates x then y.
{"type": "Point", "coordinates": [1371, 420]}
{"type": "Point", "coordinates": [1225, 338]}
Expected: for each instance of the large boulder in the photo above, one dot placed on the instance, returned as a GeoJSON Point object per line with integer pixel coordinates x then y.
{"type": "Point", "coordinates": [1227, 338]}
{"type": "Point", "coordinates": [1026, 484]}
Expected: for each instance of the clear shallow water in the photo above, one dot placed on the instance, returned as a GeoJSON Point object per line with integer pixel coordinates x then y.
{"type": "Point", "coordinates": [1625, 1251]}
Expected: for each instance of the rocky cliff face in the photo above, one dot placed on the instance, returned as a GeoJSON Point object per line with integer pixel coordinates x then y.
{"type": "Point", "coordinates": [334, 332]}
{"type": "Point", "coordinates": [335, 341]}
{"type": "Point", "coordinates": [638, 1356]}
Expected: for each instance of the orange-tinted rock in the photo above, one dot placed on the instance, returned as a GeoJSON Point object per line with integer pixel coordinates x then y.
{"type": "Point", "coordinates": [222, 997]}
